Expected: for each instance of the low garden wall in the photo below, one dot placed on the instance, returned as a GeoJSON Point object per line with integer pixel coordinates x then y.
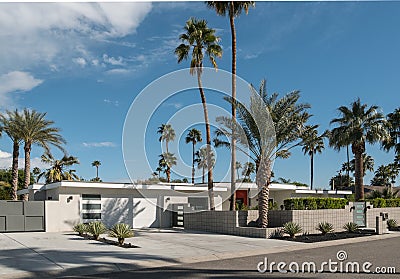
{"type": "Point", "coordinates": [225, 222]}
{"type": "Point", "coordinates": [394, 213]}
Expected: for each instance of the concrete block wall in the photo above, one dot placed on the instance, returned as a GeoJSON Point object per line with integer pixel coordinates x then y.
{"type": "Point", "coordinates": [394, 213]}
{"type": "Point", "coordinates": [225, 222]}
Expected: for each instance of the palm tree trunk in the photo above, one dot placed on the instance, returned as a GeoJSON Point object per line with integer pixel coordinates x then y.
{"type": "Point", "coordinates": [359, 181]}
{"type": "Point", "coordinates": [97, 172]}
{"type": "Point", "coordinates": [233, 141]}
{"type": "Point", "coordinates": [208, 137]}
{"type": "Point", "coordinates": [204, 171]}
{"type": "Point", "coordinates": [14, 174]}
{"type": "Point", "coordinates": [348, 167]}
{"type": "Point", "coordinates": [193, 163]}
{"type": "Point", "coordinates": [263, 178]}
{"type": "Point", "coordinates": [168, 172]}
{"type": "Point", "coordinates": [312, 169]}
{"type": "Point", "coordinates": [27, 149]}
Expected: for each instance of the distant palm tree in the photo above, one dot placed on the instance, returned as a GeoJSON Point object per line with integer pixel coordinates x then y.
{"type": "Point", "coordinates": [36, 171]}
{"type": "Point", "coordinates": [194, 136]}
{"type": "Point", "coordinates": [202, 42]}
{"type": "Point", "coordinates": [248, 169]}
{"type": "Point", "coordinates": [368, 164]}
{"type": "Point", "coordinates": [288, 118]}
{"type": "Point", "coordinates": [167, 134]}
{"type": "Point", "coordinates": [312, 144]}
{"type": "Point", "coordinates": [393, 142]}
{"type": "Point", "coordinates": [385, 175]}
{"type": "Point", "coordinates": [96, 164]}
{"type": "Point", "coordinates": [11, 124]}
{"type": "Point", "coordinates": [202, 161]}
{"type": "Point", "coordinates": [233, 9]}
{"type": "Point", "coordinates": [357, 125]}
{"type": "Point", "coordinates": [167, 160]}
{"type": "Point", "coordinates": [238, 166]}
{"type": "Point", "coordinates": [159, 170]}
{"type": "Point", "coordinates": [58, 170]}
{"type": "Point", "coordinates": [37, 130]}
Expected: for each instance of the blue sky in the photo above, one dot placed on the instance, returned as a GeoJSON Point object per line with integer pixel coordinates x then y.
{"type": "Point", "coordinates": [84, 64]}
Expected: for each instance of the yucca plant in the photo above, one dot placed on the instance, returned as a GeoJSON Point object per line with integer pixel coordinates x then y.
{"type": "Point", "coordinates": [292, 229]}
{"type": "Point", "coordinates": [325, 227]}
{"type": "Point", "coordinates": [350, 227]}
{"type": "Point", "coordinates": [121, 231]}
{"type": "Point", "coordinates": [391, 224]}
{"type": "Point", "coordinates": [81, 229]}
{"type": "Point", "coordinates": [96, 229]}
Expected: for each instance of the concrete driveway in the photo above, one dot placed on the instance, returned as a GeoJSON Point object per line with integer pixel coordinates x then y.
{"type": "Point", "coordinates": [26, 255]}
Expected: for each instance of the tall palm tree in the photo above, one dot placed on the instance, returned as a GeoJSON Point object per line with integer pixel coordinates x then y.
{"type": "Point", "coordinates": [385, 175]}
{"type": "Point", "coordinates": [248, 169]}
{"type": "Point", "coordinates": [167, 134]}
{"type": "Point", "coordinates": [201, 160]}
{"type": "Point", "coordinates": [159, 169]}
{"type": "Point", "coordinates": [59, 169]}
{"type": "Point", "coordinates": [285, 116]}
{"type": "Point", "coordinates": [11, 124]}
{"type": "Point", "coordinates": [96, 164]}
{"type": "Point", "coordinates": [312, 144]}
{"type": "Point", "coordinates": [233, 9]}
{"type": "Point", "coordinates": [393, 142]}
{"type": "Point", "coordinates": [167, 160]}
{"type": "Point", "coordinates": [357, 125]}
{"type": "Point", "coordinates": [36, 130]}
{"type": "Point", "coordinates": [201, 42]}
{"type": "Point", "coordinates": [238, 166]}
{"type": "Point", "coordinates": [193, 136]}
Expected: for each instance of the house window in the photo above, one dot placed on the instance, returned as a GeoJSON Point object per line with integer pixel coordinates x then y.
{"type": "Point", "coordinates": [91, 208]}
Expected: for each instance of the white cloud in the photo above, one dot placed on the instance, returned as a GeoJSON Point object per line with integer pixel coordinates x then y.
{"type": "Point", "coordinates": [4, 154]}
{"type": "Point", "coordinates": [6, 162]}
{"type": "Point", "coordinates": [80, 61]}
{"type": "Point", "coordinates": [15, 81]}
{"type": "Point", "coordinates": [119, 71]}
{"type": "Point", "coordinates": [99, 144]}
{"type": "Point", "coordinates": [115, 103]}
{"type": "Point", "coordinates": [36, 34]}
{"type": "Point", "coordinates": [112, 60]}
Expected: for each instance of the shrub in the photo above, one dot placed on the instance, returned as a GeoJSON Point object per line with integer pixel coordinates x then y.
{"type": "Point", "coordinates": [391, 224]}
{"type": "Point", "coordinates": [81, 229]}
{"type": "Point", "coordinates": [314, 203]}
{"type": "Point", "coordinates": [96, 229]}
{"type": "Point", "coordinates": [324, 227]}
{"type": "Point", "coordinates": [381, 202]}
{"type": "Point", "coordinates": [292, 229]}
{"type": "Point", "coordinates": [277, 233]}
{"type": "Point", "coordinates": [350, 227]}
{"type": "Point", "coordinates": [121, 231]}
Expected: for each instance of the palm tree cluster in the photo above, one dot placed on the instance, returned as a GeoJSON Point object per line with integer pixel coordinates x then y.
{"type": "Point", "coordinates": [31, 128]}
{"type": "Point", "coordinates": [58, 170]}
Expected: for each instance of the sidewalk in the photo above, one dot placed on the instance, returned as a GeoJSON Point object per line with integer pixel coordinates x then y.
{"type": "Point", "coordinates": [26, 255]}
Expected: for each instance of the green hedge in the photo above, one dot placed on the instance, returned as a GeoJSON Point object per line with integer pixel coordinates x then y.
{"type": "Point", "coordinates": [380, 202]}
{"type": "Point", "coordinates": [314, 203]}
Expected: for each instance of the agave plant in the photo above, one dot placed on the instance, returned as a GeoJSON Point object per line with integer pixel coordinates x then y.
{"type": "Point", "coordinates": [81, 229]}
{"type": "Point", "coordinates": [391, 224]}
{"type": "Point", "coordinates": [121, 231]}
{"type": "Point", "coordinates": [325, 227]}
{"type": "Point", "coordinates": [350, 227]}
{"type": "Point", "coordinates": [292, 229]}
{"type": "Point", "coordinates": [96, 229]}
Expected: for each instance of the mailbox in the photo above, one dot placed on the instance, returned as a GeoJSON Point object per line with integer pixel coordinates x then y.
{"type": "Point", "coordinates": [385, 216]}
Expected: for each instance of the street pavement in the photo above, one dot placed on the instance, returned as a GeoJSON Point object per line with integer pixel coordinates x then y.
{"type": "Point", "coordinates": [171, 253]}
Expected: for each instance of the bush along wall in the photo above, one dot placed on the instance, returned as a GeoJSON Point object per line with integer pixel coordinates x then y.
{"type": "Point", "coordinates": [380, 202]}
{"type": "Point", "coordinates": [314, 203]}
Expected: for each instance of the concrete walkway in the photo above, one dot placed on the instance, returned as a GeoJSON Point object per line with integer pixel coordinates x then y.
{"type": "Point", "coordinates": [27, 255]}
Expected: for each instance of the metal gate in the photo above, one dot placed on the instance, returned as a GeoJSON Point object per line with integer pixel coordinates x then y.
{"type": "Point", "coordinates": [359, 214]}
{"type": "Point", "coordinates": [177, 215]}
{"type": "Point", "coordinates": [22, 216]}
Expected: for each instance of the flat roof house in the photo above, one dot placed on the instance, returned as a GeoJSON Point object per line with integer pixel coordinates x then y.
{"type": "Point", "coordinates": [144, 206]}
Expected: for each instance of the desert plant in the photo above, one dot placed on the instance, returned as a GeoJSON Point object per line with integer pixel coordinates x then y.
{"type": "Point", "coordinates": [81, 229]}
{"type": "Point", "coordinates": [391, 224]}
{"type": "Point", "coordinates": [292, 229]}
{"type": "Point", "coordinates": [324, 227]}
{"type": "Point", "coordinates": [96, 229]}
{"type": "Point", "coordinates": [350, 227]}
{"type": "Point", "coordinates": [121, 231]}
{"type": "Point", "coordinates": [277, 233]}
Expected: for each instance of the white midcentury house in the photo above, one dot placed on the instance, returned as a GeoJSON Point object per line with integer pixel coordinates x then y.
{"type": "Point", "coordinates": [144, 206]}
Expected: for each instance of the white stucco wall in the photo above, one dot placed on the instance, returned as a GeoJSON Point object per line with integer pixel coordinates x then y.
{"type": "Point", "coordinates": [62, 215]}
